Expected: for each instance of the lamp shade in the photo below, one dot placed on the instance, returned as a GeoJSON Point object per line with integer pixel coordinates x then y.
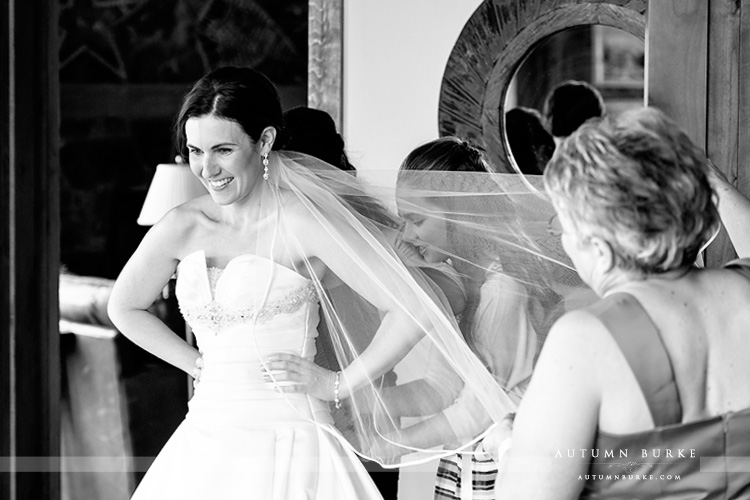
{"type": "Point", "coordinates": [173, 184]}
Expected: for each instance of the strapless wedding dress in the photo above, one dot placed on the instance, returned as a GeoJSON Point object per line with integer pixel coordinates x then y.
{"type": "Point", "coordinates": [241, 439]}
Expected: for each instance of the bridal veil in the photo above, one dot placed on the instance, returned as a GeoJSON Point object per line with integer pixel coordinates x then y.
{"type": "Point", "coordinates": [494, 223]}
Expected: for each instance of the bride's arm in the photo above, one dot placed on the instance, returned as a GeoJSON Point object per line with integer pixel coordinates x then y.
{"type": "Point", "coordinates": [139, 283]}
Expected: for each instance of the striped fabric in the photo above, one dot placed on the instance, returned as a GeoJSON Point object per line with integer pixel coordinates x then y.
{"type": "Point", "coordinates": [451, 470]}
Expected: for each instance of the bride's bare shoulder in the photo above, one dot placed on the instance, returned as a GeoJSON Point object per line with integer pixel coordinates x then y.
{"type": "Point", "coordinates": [181, 221]}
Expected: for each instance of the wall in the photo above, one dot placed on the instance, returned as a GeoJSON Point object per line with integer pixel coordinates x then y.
{"type": "Point", "coordinates": [394, 57]}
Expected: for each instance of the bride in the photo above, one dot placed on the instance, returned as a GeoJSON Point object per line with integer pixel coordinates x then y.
{"type": "Point", "coordinates": [256, 260]}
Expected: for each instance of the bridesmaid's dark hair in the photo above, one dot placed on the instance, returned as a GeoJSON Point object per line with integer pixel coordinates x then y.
{"type": "Point", "coordinates": [449, 154]}
{"type": "Point", "coordinates": [242, 95]}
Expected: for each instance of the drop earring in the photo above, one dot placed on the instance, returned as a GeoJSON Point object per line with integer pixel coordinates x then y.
{"type": "Point", "coordinates": [265, 166]}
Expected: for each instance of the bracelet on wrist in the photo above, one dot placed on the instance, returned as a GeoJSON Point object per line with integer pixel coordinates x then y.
{"type": "Point", "coordinates": [336, 384]}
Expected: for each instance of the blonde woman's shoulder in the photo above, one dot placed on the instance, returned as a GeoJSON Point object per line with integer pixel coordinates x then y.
{"type": "Point", "coordinates": [579, 335]}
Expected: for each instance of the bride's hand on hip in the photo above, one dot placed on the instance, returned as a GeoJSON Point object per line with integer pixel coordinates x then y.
{"type": "Point", "coordinates": [197, 371]}
{"type": "Point", "coordinates": [292, 373]}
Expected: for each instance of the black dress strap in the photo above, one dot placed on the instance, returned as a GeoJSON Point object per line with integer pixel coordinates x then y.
{"type": "Point", "coordinates": [642, 346]}
{"type": "Point", "coordinates": [742, 266]}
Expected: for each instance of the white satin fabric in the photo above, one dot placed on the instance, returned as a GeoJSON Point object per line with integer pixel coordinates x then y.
{"type": "Point", "coordinates": [241, 439]}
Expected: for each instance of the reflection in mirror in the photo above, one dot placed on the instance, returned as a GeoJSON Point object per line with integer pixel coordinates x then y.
{"type": "Point", "coordinates": [566, 78]}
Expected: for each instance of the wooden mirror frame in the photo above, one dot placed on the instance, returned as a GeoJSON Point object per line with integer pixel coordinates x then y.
{"type": "Point", "coordinates": [492, 45]}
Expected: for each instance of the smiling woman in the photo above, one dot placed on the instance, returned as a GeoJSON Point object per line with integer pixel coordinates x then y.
{"type": "Point", "coordinates": [447, 154]}
{"type": "Point", "coordinates": [490, 229]}
{"type": "Point", "coordinates": [427, 233]}
{"type": "Point", "coordinates": [274, 248]}
{"type": "Point", "coordinates": [640, 369]}
{"type": "Point", "coordinates": [219, 162]}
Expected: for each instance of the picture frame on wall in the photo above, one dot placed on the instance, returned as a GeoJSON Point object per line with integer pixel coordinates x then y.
{"type": "Point", "coordinates": [618, 59]}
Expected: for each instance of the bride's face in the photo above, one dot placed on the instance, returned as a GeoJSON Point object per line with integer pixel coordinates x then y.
{"type": "Point", "coordinates": [223, 157]}
{"type": "Point", "coordinates": [428, 232]}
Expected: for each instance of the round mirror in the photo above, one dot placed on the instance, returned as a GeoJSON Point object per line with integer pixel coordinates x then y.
{"type": "Point", "coordinates": [500, 37]}
{"type": "Point", "coordinates": [565, 79]}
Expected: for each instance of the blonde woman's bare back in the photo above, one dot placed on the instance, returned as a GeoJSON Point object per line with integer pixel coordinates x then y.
{"type": "Point", "coordinates": [704, 321]}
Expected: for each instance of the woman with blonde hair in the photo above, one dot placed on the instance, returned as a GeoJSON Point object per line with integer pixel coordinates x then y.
{"type": "Point", "coordinates": [638, 395]}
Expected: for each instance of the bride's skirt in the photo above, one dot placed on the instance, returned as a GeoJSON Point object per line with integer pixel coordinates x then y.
{"type": "Point", "coordinates": [241, 439]}
{"type": "Point", "coordinates": [268, 453]}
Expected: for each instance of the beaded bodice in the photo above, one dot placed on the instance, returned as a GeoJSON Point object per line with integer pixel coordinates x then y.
{"type": "Point", "coordinates": [240, 315]}
{"type": "Point", "coordinates": [250, 290]}
{"type": "Point", "coordinates": [217, 318]}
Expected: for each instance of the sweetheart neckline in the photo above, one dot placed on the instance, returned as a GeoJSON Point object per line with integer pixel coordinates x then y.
{"type": "Point", "coordinates": [231, 261]}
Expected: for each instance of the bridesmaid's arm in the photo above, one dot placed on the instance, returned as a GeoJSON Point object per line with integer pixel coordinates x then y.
{"type": "Point", "coordinates": [140, 282]}
{"type": "Point", "coordinates": [501, 323]}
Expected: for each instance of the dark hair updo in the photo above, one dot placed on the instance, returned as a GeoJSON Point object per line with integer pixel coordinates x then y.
{"type": "Point", "coordinates": [242, 95]}
{"type": "Point", "coordinates": [313, 132]}
{"type": "Point", "coordinates": [449, 154]}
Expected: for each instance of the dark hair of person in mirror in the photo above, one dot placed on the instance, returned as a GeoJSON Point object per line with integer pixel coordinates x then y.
{"type": "Point", "coordinates": [448, 154]}
{"type": "Point", "coordinates": [569, 105]}
{"type": "Point", "coordinates": [242, 95]}
{"type": "Point", "coordinates": [531, 146]}
{"type": "Point", "coordinates": [313, 132]}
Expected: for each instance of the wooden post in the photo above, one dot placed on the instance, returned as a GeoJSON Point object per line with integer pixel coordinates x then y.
{"type": "Point", "coordinates": [724, 105]}
{"type": "Point", "coordinates": [676, 59]}
{"type": "Point", "coordinates": [704, 86]}
{"type": "Point", "coordinates": [325, 71]}
{"type": "Point", "coordinates": [743, 125]}
{"type": "Point", "coordinates": [29, 257]}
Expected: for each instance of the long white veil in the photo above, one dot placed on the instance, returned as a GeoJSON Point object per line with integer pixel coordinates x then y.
{"type": "Point", "coordinates": [495, 224]}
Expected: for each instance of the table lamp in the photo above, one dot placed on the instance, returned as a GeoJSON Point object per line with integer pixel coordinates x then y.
{"type": "Point", "coordinates": [172, 185]}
